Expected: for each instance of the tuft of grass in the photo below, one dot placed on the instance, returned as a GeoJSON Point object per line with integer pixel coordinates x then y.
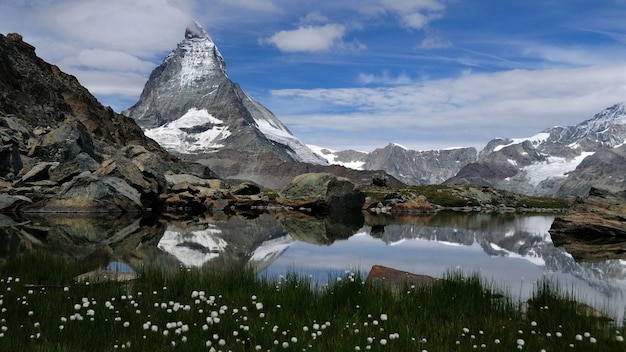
{"type": "Point", "coordinates": [238, 310]}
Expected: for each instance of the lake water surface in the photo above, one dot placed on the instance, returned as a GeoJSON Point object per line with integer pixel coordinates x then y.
{"type": "Point", "coordinates": [514, 251]}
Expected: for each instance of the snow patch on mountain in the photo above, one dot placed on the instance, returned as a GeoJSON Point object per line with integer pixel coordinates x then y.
{"type": "Point", "coordinates": [331, 157]}
{"type": "Point", "coordinates": [553, 167]}
{"type": "Point", "coordinates": [280, 134]}
{"type": "Point", "coordinates": [535, 140]}
{"type": "Point", "coordinates": [179, 134]}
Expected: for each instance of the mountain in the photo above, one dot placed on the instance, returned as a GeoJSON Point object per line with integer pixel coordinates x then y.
{"type": "Point", "coordinates": [557, 161]}
{"type": "Point", "coordinates": [409, 166]}
{"type": "Point", "coordinates": [191, 107]}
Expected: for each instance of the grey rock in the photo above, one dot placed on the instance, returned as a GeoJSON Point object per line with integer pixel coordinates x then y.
{"type": "Point", "coordinates": [10, 203]}
{"type": "Point", "coordinates": [38, 173]}
{"type": "Point", "coordinates": [92, 193]}
{"type": "Point", "coordinates": [69, 169]}
{"type": "Point", "coordinates": [63, 143]}
{"type": "Point", "coordinates": [322, 192]}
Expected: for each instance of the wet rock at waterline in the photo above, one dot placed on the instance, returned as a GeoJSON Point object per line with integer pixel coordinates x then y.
{"type": "Point", "coordinates": [322, 192]}
{"type": "Point", "coordinates": [396, 279]}
{"type": "Point", "coordinates": [594, 228]}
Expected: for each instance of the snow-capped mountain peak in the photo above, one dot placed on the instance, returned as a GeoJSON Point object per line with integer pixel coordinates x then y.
{"type": "Point", "coordinates": [198, 56]}
{"type": "Point", "coordinates": [195, 30]}
{"type": "Point", "coordinates": [614, 115]}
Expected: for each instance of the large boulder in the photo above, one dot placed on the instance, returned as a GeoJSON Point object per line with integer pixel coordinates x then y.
{"type": "Point", "coordinates": [321, 192]}
{"type": "Point", "coordinates": [92, 193]}
{"type": "Point", "coordinates": [63, 143]}
{"type": "Point", "coordinates": [594, 228]}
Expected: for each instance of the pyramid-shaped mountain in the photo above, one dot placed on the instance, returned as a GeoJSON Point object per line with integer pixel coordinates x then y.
{"type": "Point", "coordinates": [191, 107]}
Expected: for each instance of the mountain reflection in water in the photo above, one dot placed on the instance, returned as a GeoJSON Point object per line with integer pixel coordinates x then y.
{"type": "Point", "coordinates": [513, 250]}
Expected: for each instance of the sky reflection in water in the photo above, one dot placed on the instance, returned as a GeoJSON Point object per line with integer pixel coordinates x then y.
{"type": "Point", "coordinates": [436, 250]}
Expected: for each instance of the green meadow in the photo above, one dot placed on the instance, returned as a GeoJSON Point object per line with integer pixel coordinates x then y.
{"type": "Point", "coordinates": [42, 308]}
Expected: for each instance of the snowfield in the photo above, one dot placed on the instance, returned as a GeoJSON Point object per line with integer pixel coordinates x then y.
{"type": "Point", "coordinates": [172, 135]}
{"type": "Point", "coordinates": [554, 167]}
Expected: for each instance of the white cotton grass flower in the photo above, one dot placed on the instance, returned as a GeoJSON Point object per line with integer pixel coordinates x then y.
{"type": "Point", "coordinates": [579, 337]}
{"type": "Point", "coordinates": [383, 317]}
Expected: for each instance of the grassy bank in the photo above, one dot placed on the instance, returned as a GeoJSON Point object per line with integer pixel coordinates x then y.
{"type": "Point", "coordinates": [466, 195]}
{"type": "Point", "coordinates": [41, 309]}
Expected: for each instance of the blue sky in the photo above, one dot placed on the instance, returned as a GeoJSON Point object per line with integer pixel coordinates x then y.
{"type": "Point", "coordinates": [426, 74]}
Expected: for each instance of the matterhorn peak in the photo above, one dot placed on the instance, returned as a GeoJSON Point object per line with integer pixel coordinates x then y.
{"type": "Point", "coordinates": [198, 57]}
{"type": "Point", "coordinates": [195, 30]}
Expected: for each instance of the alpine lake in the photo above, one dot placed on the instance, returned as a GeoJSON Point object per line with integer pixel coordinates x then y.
{"type": "Point", "coordinates": [513, 251]}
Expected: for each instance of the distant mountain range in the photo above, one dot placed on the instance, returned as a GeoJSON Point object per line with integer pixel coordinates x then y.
{"type": "Point", "coordinates": [558, 161]}
{"type": "Point", "coordinates": [191, 107]}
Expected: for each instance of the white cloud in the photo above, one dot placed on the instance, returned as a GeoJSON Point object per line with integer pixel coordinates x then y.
{"type": "Point", "coordinates": [434, 40]}
{"type": "Point", "coordinates": [516, 103]}
{"type": "Point", "coordinates": [308, 38]}
{"type": "Point", "coordinates": [138, 27]}
{"type": "Point", "coordinates": [385, 79]}
{"type": "Point", "coordinates": [112, 83]}
{"type": "Point", "coordinates": [107, 60]}
{"type": "Point", "coordinates": [415, 14]}
{"type": "Point", "coordinates": [314, 17]}
{"type": "Point", "coordinates": [256, 5]}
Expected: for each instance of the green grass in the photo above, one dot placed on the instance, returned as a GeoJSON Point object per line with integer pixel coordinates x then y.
{"type": "Point", "coordinates": [466, 195]}
{"type": "Point", "coordinates": [236, 310]}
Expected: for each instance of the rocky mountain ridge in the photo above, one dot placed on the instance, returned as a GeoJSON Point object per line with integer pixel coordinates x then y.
{"type": "Point", "coordinates": [558, 161]}
{"type": "Point", "coordinates": [411, 167]}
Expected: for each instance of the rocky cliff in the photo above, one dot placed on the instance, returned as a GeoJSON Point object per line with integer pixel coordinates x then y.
{"type": "Point", "coordinates": [61, 150]}
{"type": "Point", "coordinates": [411, 167]}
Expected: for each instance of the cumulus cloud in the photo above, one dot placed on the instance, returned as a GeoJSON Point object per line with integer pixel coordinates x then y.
{"type": "Point", "coordinates": [111, 83]}
{"type": "Point", "coordinates": [308, 38]}
{"type": "Point", "coordinates": [107, 60]}
{"type": "Point", "coordinates": [135, 27]}
{"type": "Point", "coordinates": [472, 108]}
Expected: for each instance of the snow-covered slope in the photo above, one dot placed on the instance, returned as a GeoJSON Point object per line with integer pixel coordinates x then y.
{"type": "Point", "coordinates": [178, 135]}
